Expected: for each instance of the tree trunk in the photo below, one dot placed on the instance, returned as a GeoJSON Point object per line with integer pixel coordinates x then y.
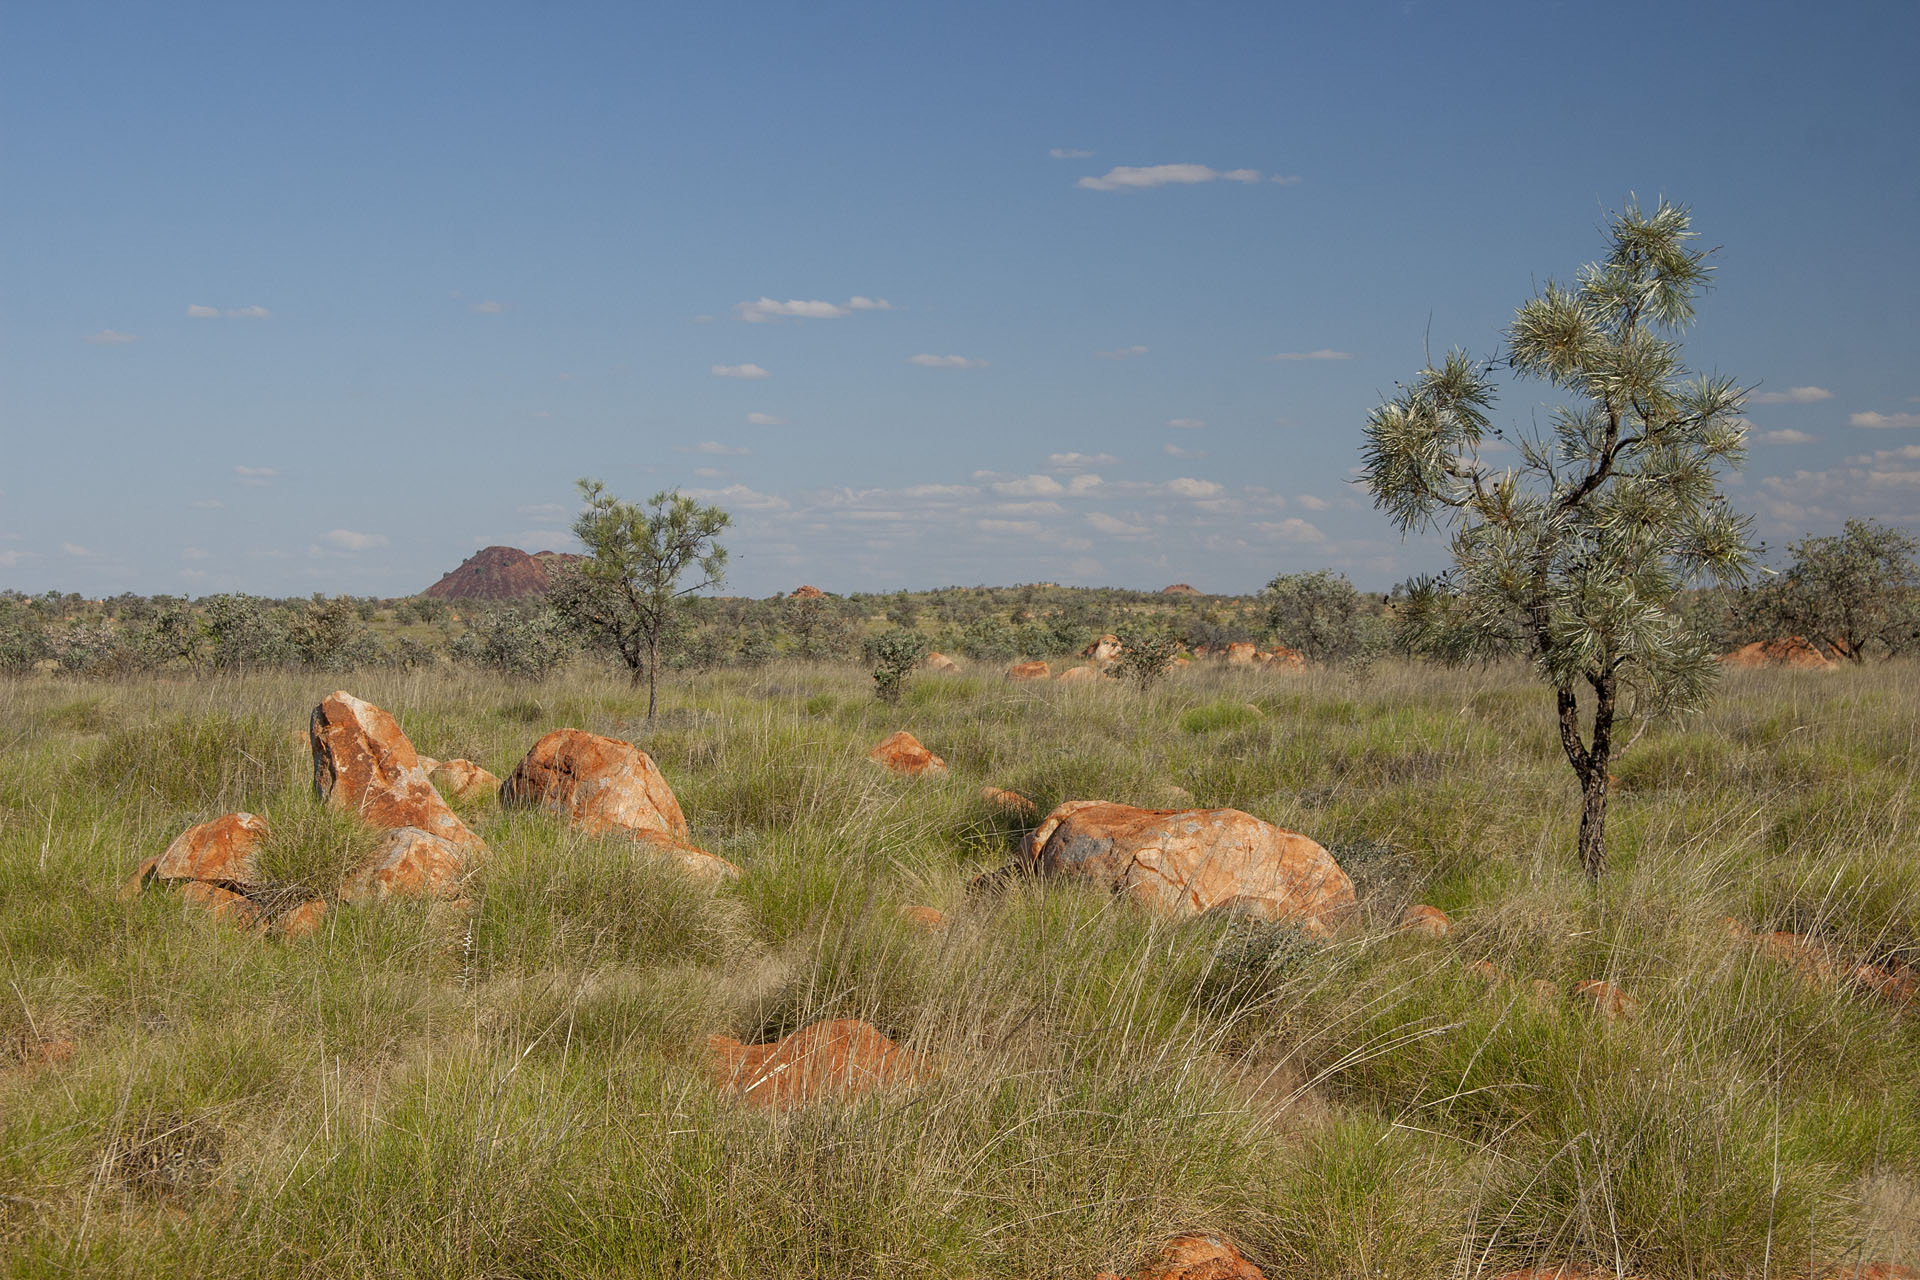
{"type": "Point", "coordinates": [653, 682]}
{"type": "Point", "coordinates": [1590, 764]}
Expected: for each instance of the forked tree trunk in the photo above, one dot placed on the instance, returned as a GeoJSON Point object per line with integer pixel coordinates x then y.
{"type": "Point", "coordinates": [1590, 764]}
{"type": "Point", "coordinates": [653, 672]}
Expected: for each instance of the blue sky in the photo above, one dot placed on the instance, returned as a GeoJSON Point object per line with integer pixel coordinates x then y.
{"type": "Point", "coordinates": [324, 298]}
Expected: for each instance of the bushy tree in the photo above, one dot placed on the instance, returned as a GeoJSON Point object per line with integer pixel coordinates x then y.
{"type": "Point", "coordinates": [1147, 652]}
{"type": "Point", "coordinates": [244, 632]}
{"type": "Point", "coordinates": [328, 635]}
{"type": "Point", "coordinates": [893, 654]}
{"type": "Point", "coordinates": [527, 645]}
{"type": "Point", "coordinates": [1579, 551]}
{"type": "Point", "coordinates": [1317, 613]}
{"type": "Point", "coordinates": [23, 640]}
{"type": "Point", "coordinates": [1853, 591]}
{"type": "Point", "coordinates": [626, 595]}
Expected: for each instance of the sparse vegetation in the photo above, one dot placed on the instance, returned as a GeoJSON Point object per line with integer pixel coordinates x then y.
{"type": "Point", "coordinates": [519, 1089]}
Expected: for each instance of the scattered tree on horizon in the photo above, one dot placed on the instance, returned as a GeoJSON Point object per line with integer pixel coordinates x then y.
{"type": "Point", "coordinates": [1580, 551]}
{"type": "Point", "coordinates": [1849, 591]}
{"type": "Point", "coordinates": [626, 594]}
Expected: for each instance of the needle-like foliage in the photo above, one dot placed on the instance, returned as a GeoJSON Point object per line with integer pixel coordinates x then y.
{"type": "Point", "coordinates": [1577, 553]}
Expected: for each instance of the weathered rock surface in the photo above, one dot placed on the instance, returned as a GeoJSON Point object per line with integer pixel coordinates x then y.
{"type": "Point", "coordinates": [1029, 671]}
{"type": "Point", "coordinates": [1011, 801]}
{"type": "Point", "coordinates": [1422, 918]}
{"type": "Point", "coordinates": [408, 862]}
{"type": "Point", "coordinates": [900, 752]}
{"type": "Point", "coordinates": [597, 784]}
{"type": "Point", "coordinates": [1178, 589]}
{"type": "Point", "coordinates": [843, 1058]}
{"type": "Point", "coordinates": [500, 573]}
{"type": "Point", "coordinates": [1194, 1257]}
{"type": "Point", "coordinates": [693, 860]}
{"type": "Point", "coordinates": [932, 919]}
{"type": "Point", "coordinates": [1608, 999]}
{"type": "Point", "coordinates": [364, 764]}
{"type": "Point", "coordinates": [1283, 659]}
{"type": "Point", "coordinates": [1788, 651]}
{"type": "Point", "coordinates": [224, 851]}
{"type": "Point", "coordinates": [1241, 654]}
{"type": "Point", "coordinates": [464, 780]}
{"type": "Point", "coordinates": [805, 592]}
{"type": "Point", "coordinates": [1103, 650]}
{"type": "Point", "coordinates": [1074, 675]}
{"type": "Point", "coordinates": [1185, 861]}
{"type": "Point", "coordinates": [938, 661]}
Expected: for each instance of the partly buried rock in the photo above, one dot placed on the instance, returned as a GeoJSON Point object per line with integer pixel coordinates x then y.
{"type": "Point", "coordinates": [901, 752]}
{"type": "Point", "coordinates": [941, 662]}
{"type": "Point", "coordinates": [1185, 861]}
{"type": "Point", "coordinates": [409, 862]}
{"type": "Point", "coordinates": [1103, 650]}
{"type": "Point", "coordinates": [1011, 801]}
{"type": "Point", "coordinates": [1283, 659]}
{"type": "Point", "coordinates": [597, 784]}
{"type": "Point", "coordinates": [222, 852]}
{"type": "Point", "coordinates": [464, 780]}
{"type": "Point", "coordinates": [842, 1058]}
{"type": "Point", "coordinates": [1195, 1257]}
{"type": "Point", "coordinates": [1242, 654]}
{"type": "Point", "coordinates": [1608, 1000]}
{"type": "Point", "coordinates": [1029, 671]}
{"type": "Point", "coordinates": [363, 763]}
{"type": "Point", "coordinates": [1073, 675]}
{"type": "Point", "coordinates": [1422, 918]}
{"type": "Point", "coordinates": [695, 861]}
{"type": "Point", "coordinates": [932, 919]}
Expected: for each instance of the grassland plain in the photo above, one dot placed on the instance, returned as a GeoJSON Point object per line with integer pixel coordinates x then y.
{"type": "Point", "coordinates": [519, 1088]}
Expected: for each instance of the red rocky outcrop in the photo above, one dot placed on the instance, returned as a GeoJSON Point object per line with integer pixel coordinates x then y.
{"type": "Point", "coordinates": [900, 752]}
{"type": "Point", "coordinates": [364, 764]}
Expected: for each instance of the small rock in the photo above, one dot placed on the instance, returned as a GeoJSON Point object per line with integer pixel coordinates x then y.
{"type": "Point", "coordinates": [1197, 1257]}
{"type": "Point", "coordinates": [1421, 918]}
{"type": "Point", "coordinates": [1241, 654]}
{"type": "Point", "coordinates": [806, 592]}
{"type": "Point", "coordinates": [224, 904]}
{"type": "Point", "coordinates": [1029, 671]}
{"type": "Point", "coordinates": [1898, 983]}
{"type": "Point", "coordinates": [1011, 801]}
{"type": "Point", "coordinates": [1543, 992]}
{"type": "Point", "coordinates": [901, 752]}
{"type": "Point", "coordinates": [301, 922]}
{"type": "Point", "coordinates": [597, 784]}
{"type": "Point", "coordinates": [1488, 972]}
{"type": "Point", "coordinates": [223, 852]}
{"type": "Point", "coordinates": [1074, 675]}
{"type": "Point", "coordinates": [937, 661]}
{"type": "Point", "coordinates": [428, 763]}
{"type": "Point", "coordinates": [1607, 999]}
{"type": "Point", "coordinates": [843, 1058]}
{"type": "Point", "coordinates": [695, 861]}
{"type": "Point", "coordinates": [464, 780]}
{"type": "Point", "coordinates": [1103, 650]}
{"type": "Point", "coordinates": [929, 918]}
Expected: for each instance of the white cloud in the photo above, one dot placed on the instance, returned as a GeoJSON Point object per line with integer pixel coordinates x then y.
{"type": "Point", "coordinates": [858, 303]}
{"type": "Point", "coordinates": [1292, 529]}
{"type": "Point", "coordinates": [112, 338]}
{"type": "Point", "coordinates": [1123, 353]}
{"type": "Point", "coordinates": [1069, 153]}
{"type": "Point", "coordinates": [488, 308]}
{"type": "Point", "coordinates": [941, 491]}
{"type": "Point", "coordinates": [765, 420]}
{"type": "Point", "coordinates": [8, 559]}
{"type": "Point", "coordinates": [708, 473]}
{"type": "Point", "coordinates": [202, 313]}
{"type": "Point", "coordinates": [1185, 424]}
{"type": "Point", "coordinates": [1080, 461]}
{"type": "Point", "coordinates": [1324, 353]}
{"type": "Point", "coordinates": [79, 552]}
{"type": "Point", "coordinates": [1115, 527]}
{"type": "Point", "coordinates": [348, 540]}
{"type": "Point", "coordinates": [721, 450]}
{"type": "Point", "coordinates": [1785, 436]}
{"type": "Point", "coordinates": [740, 371]}
{"type": "Point", "coordinates": [541, 540]}
{"type": "Point", "coordinates": [771, 311]}
{"type": "Point", "coordinates": [739, 497]}
{"type": "Point", "coordinates": [1135, 177]}
{"type": "Point", "coordinates": [1312, 502]}
{"type": "Point", "coordinates": [1080, 486]}
{"type": "Point", "coordinates": [209, 504]}
{"type": "Point", "coordinates": [250, 313]}
{"type": "Point", "coordinates": [1286, 179]}
{"type": "Point", "coordinates": [1042, 508]}
{"type": "Point", "coordinates": [1792, 395]}
{"type": "Point", "coordinates": [1878, 420]}
{"type": "Point", "coordinates": [1029, 487]}
{"type": "Point", "coordinates": [1187, 487]}
{"type": "Point", "coordinates": [1026, 528]}
{"type": "Point", "coordinates": [256, 475]}
{"type": "Point", "coordinates": [1175, 451]}
{"type": "Point", "coordinates": [926, 361]}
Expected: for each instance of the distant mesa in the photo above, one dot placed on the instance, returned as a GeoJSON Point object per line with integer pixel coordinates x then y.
{"type": "Point", "coordinates": [1178, 589]}
{"type": "Point", "coordinates": [500, 573]}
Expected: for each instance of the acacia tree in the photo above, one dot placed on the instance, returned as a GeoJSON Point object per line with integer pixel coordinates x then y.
{"type": "Point", "coordinates": [1577, 553]}
{"type": "Point", "coordinates": [1849, 591]}
{"type": "Point", "coordinates": [626, 594]}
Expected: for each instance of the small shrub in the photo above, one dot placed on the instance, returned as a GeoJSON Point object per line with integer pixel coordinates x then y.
{"type": "Point", "coordinates": [1146, 653]}
{"type": "Point", "coordinates": [894, 654]}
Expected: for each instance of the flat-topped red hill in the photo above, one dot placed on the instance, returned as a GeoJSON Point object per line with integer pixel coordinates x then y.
{"type": "Point", "coordinates": [500, 573]}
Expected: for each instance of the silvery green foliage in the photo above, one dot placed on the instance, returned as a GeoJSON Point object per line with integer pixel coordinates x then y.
{"type": "Point", "coordinates": [894, 654]}
{"type": "Point", "coordinates": [1575, 546]}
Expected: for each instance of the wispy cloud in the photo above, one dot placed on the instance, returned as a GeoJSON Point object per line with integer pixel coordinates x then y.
{"type": "Point", "coordinates": [1188, 487]}
{"type": "Point", "coordinates": [112, 338]}
{"type": "Point", "coordinates": [1137, 177]}
{"type": "Point", "coordinates": [1029, 487]}
{"type": "Point", "coordinates": [717, 449]}
{"type": "Point", "coordinates": [765, 420]}
{"type": "Point", "coordinates": [1122, 353]}
{"type": "Point", "coordinates": [771, 311]}
{"type": "Point", "coordinates": [1324, 353]}
{"type": "Point", "coordinates": [1786, 435]}
{"type": "Point", "coordinates": [1116, 527]}
{"type": "Point", "coordinates": [1080, 461]}
{"type": "Point", "coordinates": [256, 475]}
{"type": "Point", "coordinates": [233, 313]}
{"type": "Point", "coordinates": [1792, 395]}
{"type": "Point", "coordinates": [1312, 502]}
{"type": "Point", "coordinates": [1880, 420]}
{"type": "Point", "coordinates": [1175, 451]}
{"type": "Point", "coordinates": [926, 361]}
{"type": "Point", "coordinates": [740, 497]}
{"type": "Point", "coordinates": [551, 512]}
{"type": "Point", "coordinates": [79, 552]}
{"type": "Point", "coordinates": [1185, 424]}
{"type": "Point", "coordinates": [1069, 153]}
{"type": "Point", "coordinates": [491, 307]}
{"type": "Point", "coordinates": [740, 371]}
{"type": "Point", "coordinates": [209, 504]}
{"type": "Point", "coordinates": [349, 540]}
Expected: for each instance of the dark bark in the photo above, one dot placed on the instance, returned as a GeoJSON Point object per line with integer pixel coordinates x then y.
{"type": "Point", "coordinates": [653, 670]}
{"type": "Point", "coordinates": [1590, 765]}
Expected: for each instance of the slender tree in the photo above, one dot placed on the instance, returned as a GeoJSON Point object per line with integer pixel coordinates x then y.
{"type": "Point", "coordinates": [626, 594]}
{"type": "Point", "coordinates": [1577, 553]}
